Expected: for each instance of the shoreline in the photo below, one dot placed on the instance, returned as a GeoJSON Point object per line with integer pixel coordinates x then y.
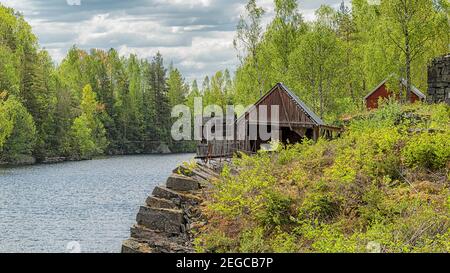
{"type": "Point", "coordinates": [59, 160]}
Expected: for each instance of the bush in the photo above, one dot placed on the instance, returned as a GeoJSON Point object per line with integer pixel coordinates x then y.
{"type": "Point", "coordinates": [277, 211]}
{"type": "Point", "coordinates": [214, 242]}
{"type": "Point", "coordinates": [345, 195]}
{"type": "Point", "coordinates": [284, 242]}
{"type": "Point", "coordinates": [431, 151]}
{"type": "Point", "coordinates": [253, 241]}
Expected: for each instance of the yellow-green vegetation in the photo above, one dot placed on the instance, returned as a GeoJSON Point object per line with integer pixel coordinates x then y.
{"type": "Point", "coordinates": [383, 186]}
{"type": "Point", "coordinates": [188, 167]}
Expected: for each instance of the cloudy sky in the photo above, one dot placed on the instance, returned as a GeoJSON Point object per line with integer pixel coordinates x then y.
{"type": "Point", "coordinates": [196, 35]}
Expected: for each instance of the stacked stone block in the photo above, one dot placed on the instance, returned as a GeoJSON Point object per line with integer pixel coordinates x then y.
{"type": "Point", "coordinates": [439, 80]}
{"type": "Point", "coordinates": [164, 223]}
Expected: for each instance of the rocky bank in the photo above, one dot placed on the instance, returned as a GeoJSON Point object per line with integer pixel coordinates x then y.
{"type": "Point", "coordinates": [166, 223]}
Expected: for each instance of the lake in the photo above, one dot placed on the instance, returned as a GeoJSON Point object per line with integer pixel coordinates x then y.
{"type": "Point", "coordinates": [86, 206]}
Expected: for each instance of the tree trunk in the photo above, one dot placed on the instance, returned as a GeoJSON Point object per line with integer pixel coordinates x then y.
{"type": "Point", "coordinates": [321, 96]}
{"type": "Point", "coordinates": [258, 72]}
{"type": "Point", "coordinates": [408, 66]}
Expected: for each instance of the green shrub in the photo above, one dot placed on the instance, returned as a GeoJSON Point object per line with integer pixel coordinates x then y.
{"type": "Point", "coordinates": [318, 206]}
{"type": "Point", "coordinates": [277, 211]}
{"type": "Point", "coordinates": [213, 242]}
{"type": "Point", "coordinates": [344, 195]}
{"type": "Point", "coordinates": [188, 168]}
{"type": "Point", "coordinates": [284, 242]}
{"type": "Point", "coordinates": [427, 150]}
{"type": "Point", "coordinates": [328, 239]}
{"type": "Point", "coordinates": [253, 241]}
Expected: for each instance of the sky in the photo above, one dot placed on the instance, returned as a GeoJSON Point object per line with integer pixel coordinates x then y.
{"type": "Point", "coordinates": [195, 35]}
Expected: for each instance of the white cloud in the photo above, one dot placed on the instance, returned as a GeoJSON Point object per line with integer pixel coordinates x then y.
{"type": "Point", "coordinates": [196, 35]}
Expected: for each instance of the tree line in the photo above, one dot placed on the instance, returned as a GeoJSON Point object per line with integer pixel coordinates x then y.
{"type": "Point", "coordinates": [335, 60]}
{"type": "Point", "coordinates": [91, 103]}
{"type": "Point", "coordinates": [97, 102]}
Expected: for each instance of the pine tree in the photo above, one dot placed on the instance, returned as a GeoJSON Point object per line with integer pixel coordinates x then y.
{"type": "Point", "coordinates": [161, 98]}
{"type": "Point", "coordinates": [177, 88]}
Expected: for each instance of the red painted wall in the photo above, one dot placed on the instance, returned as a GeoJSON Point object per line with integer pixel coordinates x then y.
{"type": "Point", "coordinates": [383, 92]}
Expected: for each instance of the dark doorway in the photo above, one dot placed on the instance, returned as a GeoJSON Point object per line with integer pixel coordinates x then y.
{"type": "Point", "coordinates": [290, 137]}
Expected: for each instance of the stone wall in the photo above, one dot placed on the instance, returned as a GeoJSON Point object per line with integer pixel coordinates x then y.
{"type": "Point", "coordinates": [439, 80]}
{"type": "Point", "coordinates": [170, 216]}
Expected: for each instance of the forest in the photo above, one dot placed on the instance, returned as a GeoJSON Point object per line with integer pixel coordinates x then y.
{"type": "Point", "coordinates": [97, 102]}
{"type": "Point", "coordinates": [92, 103]}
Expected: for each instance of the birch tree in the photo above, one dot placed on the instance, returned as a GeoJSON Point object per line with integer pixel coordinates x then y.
{"type": "Point", "coordinates": [411, 26]}
{"type": "Point", "coordinates": [248, 37]}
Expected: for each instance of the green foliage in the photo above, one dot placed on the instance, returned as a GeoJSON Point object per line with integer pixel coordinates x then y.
{"type": "Point", "coordinates": [318, 206]}
{"type": "Point", "coordinates": [177, 88]}
{"type": "Point", "coordinates": [217, 242]}
{"type": "Point", "coordinates": [427, 150]}
{"type": "Point", "coordinates": [333, 62]}
{"type": "Point", "coordinates": [362, 192]}
{"type": "Point", "coordinates": [277, 211]}
{"type": "Point", "coordinates": [252, 241]}
{"type": "Point", "coordinates": [188, 167]}
{"type": "Point", "coordinates": [6, 124]}
{"type": "Point", "coordinates": [256, 189]}
{"type": "Point", "coordinates": [87, 135]}
{"type": "Point", "coordinates": [132, 96]}
{"type": "Point", "coordinates": [19, 132]}
{"type": "Point", "coordinates": [284, 242]}
{"type": "Point", "coordinates": [81, 144]}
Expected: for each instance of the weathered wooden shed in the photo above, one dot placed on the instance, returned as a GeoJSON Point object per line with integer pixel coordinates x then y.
{"type": "Point", "coordinates": [295, 122]}
{"type": "Point", "coordinates": [383, 92]}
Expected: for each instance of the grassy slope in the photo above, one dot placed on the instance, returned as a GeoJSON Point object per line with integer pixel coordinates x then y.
{"type": "Point", "coordinates": [384, 186]}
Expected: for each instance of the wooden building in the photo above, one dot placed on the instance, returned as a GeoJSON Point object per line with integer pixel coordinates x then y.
{"type": "Point", "coordinates": [382, 91]}
{"type": "Point", "coordinates": [295, 122]}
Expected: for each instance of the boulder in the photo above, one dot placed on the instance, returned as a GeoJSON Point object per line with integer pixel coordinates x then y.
{"type": "Point", "coordinates": [182, 183]}
{"type": "Point", "coordinates": [132, 246]}
{"type": "Point", "coordinates": [177, 197]}
{"type": "Point", "coordinates": [163, 220]}
{"type": "Point", "coordinates": [160, 241]}
{"type": "Point", "coordinates": [155, 202]}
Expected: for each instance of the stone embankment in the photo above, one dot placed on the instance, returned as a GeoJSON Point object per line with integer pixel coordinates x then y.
{"type": "Point", "coordinates": [170, 216]}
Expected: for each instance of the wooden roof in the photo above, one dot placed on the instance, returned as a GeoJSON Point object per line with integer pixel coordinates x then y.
{"type": "Point", "coordinates": [299, 104]}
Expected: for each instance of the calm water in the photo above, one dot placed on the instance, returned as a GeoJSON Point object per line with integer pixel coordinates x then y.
{"type": "Point", "coordinates": [46, 208]}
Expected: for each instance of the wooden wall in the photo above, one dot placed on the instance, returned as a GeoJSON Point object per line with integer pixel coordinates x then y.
{"type": "Point", "coordinates": [384, 93]}
{"type": "Point", "coordinates": [289, 112]}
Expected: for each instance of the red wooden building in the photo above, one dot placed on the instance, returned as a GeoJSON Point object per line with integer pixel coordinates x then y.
{"type": "Point", "coordinates": [382, 91]}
